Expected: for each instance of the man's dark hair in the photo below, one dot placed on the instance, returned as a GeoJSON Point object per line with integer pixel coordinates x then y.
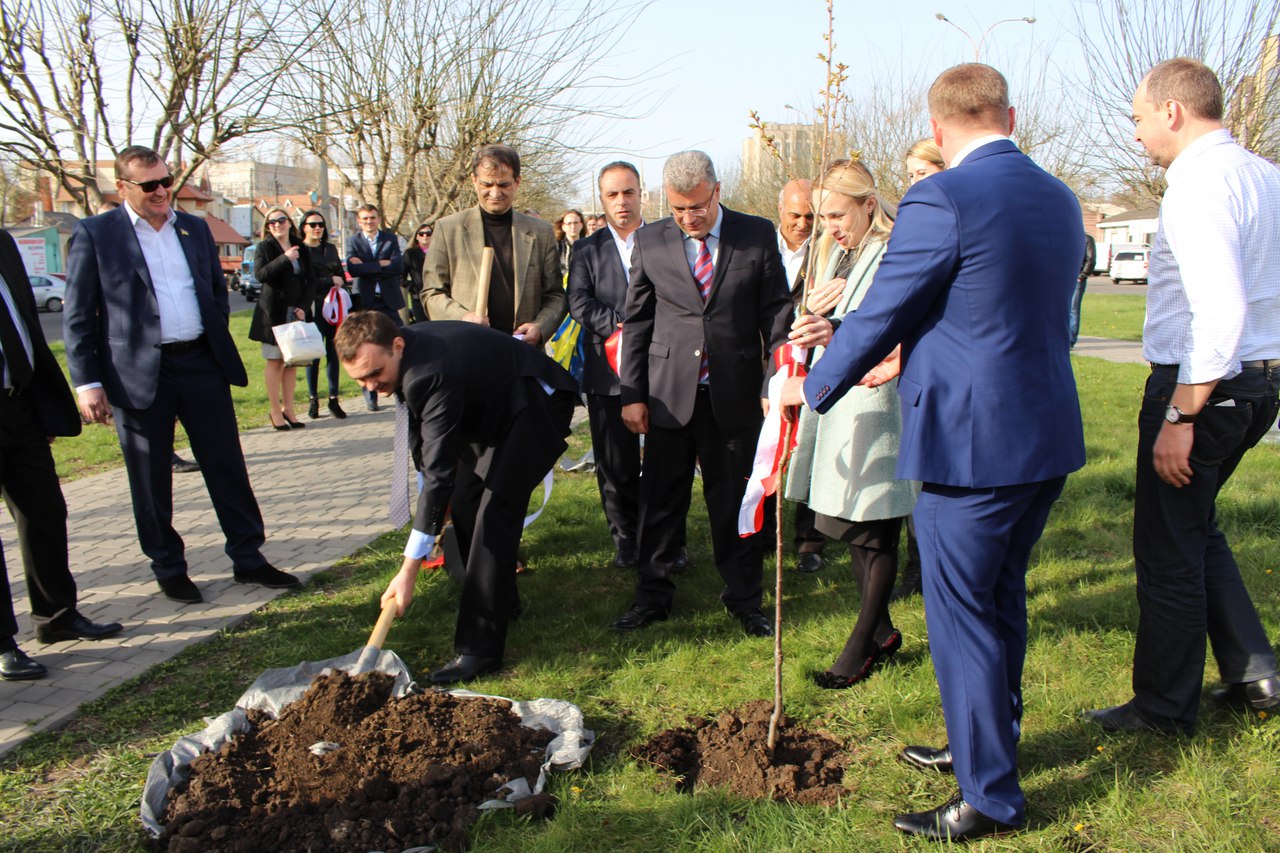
{"type": "Point", "coordinates": [1189, 82]}
{"type": "Point", "coordinates": [617, 164]}
{"type": "Point", "coordinates": [368, 208]}
{"type": "Point", "coordinates": [364, 327]}
{"type": "Point", "coordinates": [497, 155]}
{"type": "Point", "coordinates": [134, 154]}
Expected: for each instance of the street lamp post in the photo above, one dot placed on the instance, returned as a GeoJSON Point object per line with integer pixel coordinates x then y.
{"type": "Point", "coordinates": [977, 45]}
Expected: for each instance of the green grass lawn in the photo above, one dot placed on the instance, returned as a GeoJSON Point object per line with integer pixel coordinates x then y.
{"type": "Point", "coordinates": [1113, 315]}
{"type": "Point", "coordinates": [97, 448]}
{"type": "Point", "coordinates": [77, 790]}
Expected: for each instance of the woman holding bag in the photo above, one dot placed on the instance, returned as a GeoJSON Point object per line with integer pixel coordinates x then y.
{"type": "Point", "coordinates": [844, 461]}
{"type": "Point", "coordinates": [326, 274]}
{"type": "Point", "coordinates": [284, 271]}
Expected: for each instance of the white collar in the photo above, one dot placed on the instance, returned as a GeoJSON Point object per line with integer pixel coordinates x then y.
{"type": "Point", "coordinates": [973, 146]}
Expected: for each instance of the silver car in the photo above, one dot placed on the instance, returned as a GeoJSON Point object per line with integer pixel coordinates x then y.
{"type": "Point", "coordinates": [50, 289]}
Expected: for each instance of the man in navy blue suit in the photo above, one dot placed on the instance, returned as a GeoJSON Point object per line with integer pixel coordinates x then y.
{"type": "Point", "coordinates": [375, 259]}
{"type": "Point", "coordinates": [976, 284]}
{"type": "Point", "coordinates": [147, 341]}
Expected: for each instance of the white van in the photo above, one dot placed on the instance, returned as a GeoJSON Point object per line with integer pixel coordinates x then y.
{"type": "Point", "coordinates": [1107, 253]}
{"type": "Point", "coordinates": [1129, 265]}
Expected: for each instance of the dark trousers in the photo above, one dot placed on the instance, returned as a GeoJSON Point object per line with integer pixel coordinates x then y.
{"type": "Point", "coordinates": [1189, 586]}
{"type": "Point", "coordinates": [331, 360]}
{"type": "Point", "coordinates": [617, 454]}
{"type": "Point", "coordinates": [30, 485]}
{"type": "Point", "coordinates": [975, 545]}
{"type": "Point", "coordinates": [489, 525]}
{"type": "Point", "coordinates": [1073, 318]}
{"type": "Point", "coordinates": [725, 454]}
{"type": "Point", "coordinates": [192, 389]}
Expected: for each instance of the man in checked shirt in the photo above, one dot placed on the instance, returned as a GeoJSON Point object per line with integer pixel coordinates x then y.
{"type": "Point", "coordinates": [1212, 335]}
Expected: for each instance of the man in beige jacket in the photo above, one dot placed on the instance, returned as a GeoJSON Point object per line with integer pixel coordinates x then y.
{"type": "Point", "coordinates": [526, 290]}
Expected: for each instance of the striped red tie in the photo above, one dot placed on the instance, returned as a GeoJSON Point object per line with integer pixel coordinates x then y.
{"type": "Point", "coordinates": [703, 271]}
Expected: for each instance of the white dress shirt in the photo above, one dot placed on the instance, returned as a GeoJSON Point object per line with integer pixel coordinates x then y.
{"type": "Point", "coordinates": [171, 279]}
{"type": "Point", "coordinates": [624, 246]}
{"type": "Point", "coordinates": [973, 146]}
{"type": "Point", "coordinates": [1213, 278]}
{"type": "Point", "coordinates": [792, 260]}
{"type": "Point", "coordinates": [12, 307]}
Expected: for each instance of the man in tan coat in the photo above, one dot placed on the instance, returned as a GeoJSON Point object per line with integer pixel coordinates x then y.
{"type": "Point", "coordinates": [526, 290]}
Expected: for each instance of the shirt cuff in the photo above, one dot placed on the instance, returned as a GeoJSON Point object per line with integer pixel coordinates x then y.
{"type": "Point", "coordinates": [419, 545]}
{"type": "Point", "coordinates": [89, 386]}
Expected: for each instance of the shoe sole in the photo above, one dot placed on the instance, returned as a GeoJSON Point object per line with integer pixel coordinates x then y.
{"type": "Point", "coordinates": [32, 677]}
{"type": "Point", "coordinates": [267, 585]}
{"type": "Point", "coordinates": [199, 600]}
{"type": "Point", "coordinates": [71, 638]}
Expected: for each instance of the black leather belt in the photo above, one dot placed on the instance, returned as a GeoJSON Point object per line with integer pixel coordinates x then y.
{"type": "Point", "coordinates": [180, 347]}
{"type": "Point", "coordinates": [1257, 364]}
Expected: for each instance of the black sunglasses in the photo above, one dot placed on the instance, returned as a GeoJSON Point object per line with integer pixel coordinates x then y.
{"type": "Point", "coordinates": [424, 233]}
{"type": "Point", "coordinates": [277, 220]}
{"type": "Point", "coordinates": [151, 186]}
{"type": "Point", "coordinates": [313, 224]}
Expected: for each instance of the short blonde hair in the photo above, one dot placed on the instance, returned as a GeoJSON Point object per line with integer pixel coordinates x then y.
{"type": "Point", "coordinates": [927, 150]}
{"type": "Point", "coordinates": [853, 180]}
{"type": "Point", "coordinates": [971, 95]}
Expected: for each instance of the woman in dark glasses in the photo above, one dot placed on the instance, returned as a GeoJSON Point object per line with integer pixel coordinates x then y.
{"type": "Point", "coordinates": [326, 274]}
{"type": "Point", "coordinates": [284, 271]}
{"type": "Point", "coordinates": [414, 258]}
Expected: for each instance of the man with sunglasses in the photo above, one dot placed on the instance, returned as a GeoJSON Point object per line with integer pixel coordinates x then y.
{"type": "Point", "coordinates": [706, 305]}
{"type": "Point", "coordinates": [147, 341]}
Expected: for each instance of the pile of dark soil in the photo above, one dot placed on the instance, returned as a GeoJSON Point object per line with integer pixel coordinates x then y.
{"type": "Point", "coordinates": [730, 751]}
{"type": "Point", "coordinates": [406, 772]}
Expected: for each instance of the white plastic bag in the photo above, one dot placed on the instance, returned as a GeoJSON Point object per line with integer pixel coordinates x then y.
{"type": "Point", "coordinates": [300, 343]}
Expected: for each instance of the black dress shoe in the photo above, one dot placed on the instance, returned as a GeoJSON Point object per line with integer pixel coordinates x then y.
{"type": "Point", "coordinates": [77, 628]}
{"type": "Point", "coordinates": [1260, 695]}
{"type": "Point", "coordinates": [809, 563]}
{"type": "Point", "coordinates": [16, 666]}
{"type": "Point", "coordinates": [681, 562]}
{"type": "Point", "coordinates": [756, 624]}
{"type": "Point", "coordinates": [625, 559]}
{"type": "Point", "coordinates": [180, 589]}
{"type": "Point", "coordinates": [1125, 718]}
{"type": "Point", "coordinates": [184, 466]}
{"type": "Point", "coordinates": [638, 617]}
{"type": "Point", "coordinates": [954, 820]}
{"type": "Point", "coordinates": [464, 668]}
{"type": "Point", "coordinates": [927, 758]}
{"type": "Point", "coordinates": [268, 576]}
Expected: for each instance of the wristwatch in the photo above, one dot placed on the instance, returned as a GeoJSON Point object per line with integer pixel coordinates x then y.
{"type": "Point", "coordinates": [1174, 415]}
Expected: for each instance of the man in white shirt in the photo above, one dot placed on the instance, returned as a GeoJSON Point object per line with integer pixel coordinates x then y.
{"type": "Point", "coordinates": [147, 341]}
{"type": "Point", "coordinates": [1212, 335]}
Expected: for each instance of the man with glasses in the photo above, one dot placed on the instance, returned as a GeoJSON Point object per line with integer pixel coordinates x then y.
{"type": "Point", "coordinates": [374, 259]}
{"type": "Point", "coordinates": [147, 341]}
{"type": "Point", "coordinates": [707, 304]}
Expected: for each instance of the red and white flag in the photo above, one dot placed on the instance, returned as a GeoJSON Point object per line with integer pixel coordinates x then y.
{"type": "Point", "coordinates": [777, 438]}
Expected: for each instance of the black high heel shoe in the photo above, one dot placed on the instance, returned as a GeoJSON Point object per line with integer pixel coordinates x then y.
{"type": "Point", "coordinates": [829, 680]}
{"type": "Point", "coordinates": [290, 423]}
{"type": "Point", "coordinates": [284, 427]}
{"type": "Point", "coordinates": [890, 646]}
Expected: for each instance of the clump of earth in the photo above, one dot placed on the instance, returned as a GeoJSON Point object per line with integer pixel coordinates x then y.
{"type": "Point", "coordinates": [730, 750]}
{"type": "Point", "coordinates": [391, 774]}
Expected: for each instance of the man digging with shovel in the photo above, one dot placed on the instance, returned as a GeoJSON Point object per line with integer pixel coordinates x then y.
{"type": "Point", "coordinates": [485, 417]}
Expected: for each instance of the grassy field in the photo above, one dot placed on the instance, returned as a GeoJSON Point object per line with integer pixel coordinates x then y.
{"type": "Point", "coordinates": [1113, 315]}
{"type": "Point", "coordinates": [77, 790]}
{"type": "Point", "coordinates": [97, 448]}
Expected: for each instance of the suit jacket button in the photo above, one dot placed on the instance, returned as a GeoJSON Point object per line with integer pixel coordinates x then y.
{"type": "Point", "coordinates": [698, 353]}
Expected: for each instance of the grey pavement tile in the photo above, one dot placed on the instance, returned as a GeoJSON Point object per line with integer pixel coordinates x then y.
{"type": "Point", "coordinates": [26, 712]}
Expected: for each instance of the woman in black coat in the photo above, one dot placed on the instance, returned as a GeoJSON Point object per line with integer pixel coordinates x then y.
{"type": "Point", "coordinates": [326, 274]}
{"type": "Point", "coordinates": [415, 257]}
{"type": "Point", "coordinates": [283, 269]}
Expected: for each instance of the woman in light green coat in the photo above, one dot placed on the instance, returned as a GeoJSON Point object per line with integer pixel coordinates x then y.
{"type": "Point", "coordinates": [844, 462]}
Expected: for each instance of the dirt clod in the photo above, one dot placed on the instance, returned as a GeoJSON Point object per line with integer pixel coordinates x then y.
{"type": "Point", "coordinates": [409, 772]}
{"type": "Point", "coordinates": [730, 751]}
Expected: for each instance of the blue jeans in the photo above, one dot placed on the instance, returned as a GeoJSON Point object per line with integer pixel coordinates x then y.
{"type": "Point", "coordinates": [1189, 586]}
{"type": "Point", "coordinates": [1073, 321]}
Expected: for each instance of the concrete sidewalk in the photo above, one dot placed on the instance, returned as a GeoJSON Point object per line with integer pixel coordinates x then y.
{"type": "Point", "coordinates": [323, 494]}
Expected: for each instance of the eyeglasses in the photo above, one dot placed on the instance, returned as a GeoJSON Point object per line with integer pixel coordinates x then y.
{"type": "Point", "coordinates": [425, 233]}
{"type": "Point", "coordinates": [279, 220]}
{"type": "Point", "coordinates": [695, 212]}
{"type": "Point", "coordinates": [151, 186]}
{"type": "Point", "coordinates": [313, 224]}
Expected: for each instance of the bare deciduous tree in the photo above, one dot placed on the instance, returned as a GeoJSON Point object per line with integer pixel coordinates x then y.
{"type": "Point", "coordinates": [1130, 36]}
{"type": "Point", "coordinates": [82, 79]}
{"type": "Point", "coordinates": [398, 94]}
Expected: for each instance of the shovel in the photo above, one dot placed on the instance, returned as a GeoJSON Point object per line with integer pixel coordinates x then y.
{"type": "Point", "coordinates": [369, 657]}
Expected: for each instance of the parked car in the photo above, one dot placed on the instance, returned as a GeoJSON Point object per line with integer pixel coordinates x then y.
{"type": "Point", "coordinates": [250, 287]}
{"type": "Point", "coordinates": [1129, 266]}
{"type": "Point", "coordinates": [50, 290]}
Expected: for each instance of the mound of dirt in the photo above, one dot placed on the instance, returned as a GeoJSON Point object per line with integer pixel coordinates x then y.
{"type": "Point", "coordinates": [730, 751]}
{"type": "Point", "coordinates": [389, 774]}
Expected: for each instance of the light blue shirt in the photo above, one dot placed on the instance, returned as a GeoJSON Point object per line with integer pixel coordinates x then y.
{"type": "Point", "coordinates": [12, 307]}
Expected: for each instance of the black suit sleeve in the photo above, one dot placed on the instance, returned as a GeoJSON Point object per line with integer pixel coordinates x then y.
{"type": "Point", "coordinates": [637, 332]}
{"type": "Point", "coordinates": [776, 308]}
{"type": "Point", "coordinates": [595, 315]}
{"type": "Point", "coordinates": [438, 401]}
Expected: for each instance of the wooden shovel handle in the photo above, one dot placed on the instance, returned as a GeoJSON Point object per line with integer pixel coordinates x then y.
{"type": "Point", "coordinates": [486, 268]}
{"type": "Point", "coordinates": [379, 635]}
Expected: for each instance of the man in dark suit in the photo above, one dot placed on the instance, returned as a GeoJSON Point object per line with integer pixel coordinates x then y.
{"type": "Point", "coordinates": [487, 417]}
{"type": "Point", "coordinates": [375, 261]}
{"type": "Point", "coordinates": [991, 419]}
{"type": "Point", "coordinates": [707, 304]}
{"type": "Point", "coordinates": [35, 406]}
{"type": "Point", "coordinates": [147, 341]}
{"type": "Point", "coordinates": [597, 292]}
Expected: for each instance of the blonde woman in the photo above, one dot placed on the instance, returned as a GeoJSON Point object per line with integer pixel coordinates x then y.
{"type": "Point", "coordinates": [924, 159]}
{"type": "Point", "coordinates": [284, 270]}
{"type": "Point", "coordinates": [844, 462]}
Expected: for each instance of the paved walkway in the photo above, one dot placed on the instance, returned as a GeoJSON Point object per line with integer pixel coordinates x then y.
{"type": "Point", "coordinates": [332, 510]}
